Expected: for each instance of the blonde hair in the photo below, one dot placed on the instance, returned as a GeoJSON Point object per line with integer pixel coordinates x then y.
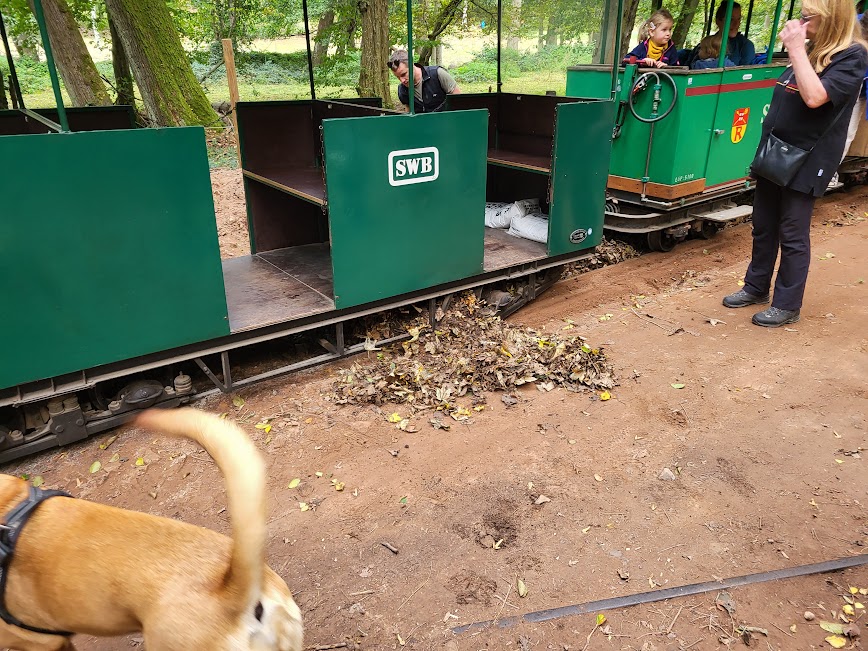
{"type": "Point", "coordinates": [709, 47]}
{"type": "Point", "coordinates": [836, 32]}
{"type": "Point", "coordinates": [651, 24]}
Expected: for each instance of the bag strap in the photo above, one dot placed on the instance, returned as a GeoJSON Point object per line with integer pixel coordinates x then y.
{"type": "Point", "coordinates": [831, 124]}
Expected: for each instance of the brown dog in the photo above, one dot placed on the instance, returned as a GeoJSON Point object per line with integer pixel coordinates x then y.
{"type": "Point", "coordinates": [89, 568]}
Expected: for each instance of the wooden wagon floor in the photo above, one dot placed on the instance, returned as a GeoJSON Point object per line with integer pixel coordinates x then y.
{"type": "Point", "coordinates": [278, 286]}
{"type": "Point", "coordinates": [503, 250]}
{"type": "Point", "coordinates": [285, 284]}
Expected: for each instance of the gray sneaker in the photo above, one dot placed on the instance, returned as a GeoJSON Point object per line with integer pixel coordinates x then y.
{"type": "Point", "coordinates": [775, 317]}
{"type": "Point", "coordinates": [741, 298]}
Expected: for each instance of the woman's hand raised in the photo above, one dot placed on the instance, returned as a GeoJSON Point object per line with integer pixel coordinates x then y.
{"type": "Point", "coordinates": [793, 35]}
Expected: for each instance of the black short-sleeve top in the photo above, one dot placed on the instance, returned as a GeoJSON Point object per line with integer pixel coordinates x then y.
{"type": "Point", "coordinates": [797, 124]}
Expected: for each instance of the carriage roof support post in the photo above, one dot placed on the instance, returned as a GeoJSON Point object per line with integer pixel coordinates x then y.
{"type": "Point", "coordinates": [411, 92]}
{"type": "Point", "coordinates": [499, 22]}
{"type": "Point", "coordinates": [749, 15]}
{"type": "Point", "coordinates": [724, 41]}
{"type": "Point", "coordinates": [309, 55]}
{"type": "Point", "coordinates": [15, 90]}
{"type": "Point", "coordinates": [52, 70]}
{"type": "Point", "coordinates": [616, 56]}
{"type": "Point", "coordinates": [770, 52]}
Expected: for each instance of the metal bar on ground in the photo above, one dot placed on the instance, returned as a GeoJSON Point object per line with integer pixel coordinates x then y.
{"type": "Point", "coordinates": [309, 54]}
{"type": "Point", "coordinates": [15, 87]}
{"type": "Point", "coordinates": [499, 22]}
{"type": "Point", "coordinates": [411, 66]}
{"type": "Point", "coordinates": [52, 70]}
{"type": "Point", "coordinates": [668, 593]}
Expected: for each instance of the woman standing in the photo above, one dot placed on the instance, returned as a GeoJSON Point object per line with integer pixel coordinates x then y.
{"type": "Point", "coordinates": [810, 110]}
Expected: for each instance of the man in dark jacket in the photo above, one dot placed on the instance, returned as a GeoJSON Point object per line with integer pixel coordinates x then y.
{"type": "Point", "coordinates": [432, 83]}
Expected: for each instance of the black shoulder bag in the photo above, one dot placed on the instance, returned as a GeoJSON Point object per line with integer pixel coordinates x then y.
{"type": "Point", "coordinates": [779, 161]}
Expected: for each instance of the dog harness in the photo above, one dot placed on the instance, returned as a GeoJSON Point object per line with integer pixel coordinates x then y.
{"type": "Point", "coordinates": [10, 530]}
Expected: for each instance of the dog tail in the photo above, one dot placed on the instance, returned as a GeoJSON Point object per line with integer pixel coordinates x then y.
{"type": "Point", "coordinates": [244, 473]}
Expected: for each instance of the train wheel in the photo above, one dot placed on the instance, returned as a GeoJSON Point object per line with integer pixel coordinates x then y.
{"type": "Point", "coordinates": [709, 230]}
{"type": "Point", "coordinates": [660, 241]}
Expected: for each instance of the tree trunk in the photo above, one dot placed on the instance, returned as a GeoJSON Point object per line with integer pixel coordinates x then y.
{"type": "Point", "coordinates": [611, 24]}
{"type": "Point", "coordinates": [685, 20]}
{"type": "Point", "coordinates": [322, 40]}
{"type": "Point", "coordinates": [448, 12]}
{"type": "Point", "coordinates": [552, 32]}
{"type": "Point", "coordinates": [541, 34]}
{"type": "Point", "coordinates": [351, 33]}
{"type": "Point", "coordinates": [79, 74]}
{"type": "Point", "coordinates": [512, 41]}
{"type": "Point", "coordinates": [4, 104]}
{"type": "Point", "coordinates": [121, 67]}
{"type": "Point", "coordinates": [630, 7]}
{"type": "Point", "coordinates": [374, 76]}
{"type": "Point", "coordinates": [26, 44]}
{"type": "Point", "coordinates": [170, 92]}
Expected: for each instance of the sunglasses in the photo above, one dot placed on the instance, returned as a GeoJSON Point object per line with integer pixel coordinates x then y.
{"type": "Point", "coordinates": [394, 65]}
{"type": "Point", "coordinates": [804, 19]}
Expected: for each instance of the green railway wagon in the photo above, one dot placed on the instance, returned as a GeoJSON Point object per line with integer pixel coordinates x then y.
{"type": "Point", "coordinates": [110, 251]}
{"type": "Point", "coordinates": [677, 165]}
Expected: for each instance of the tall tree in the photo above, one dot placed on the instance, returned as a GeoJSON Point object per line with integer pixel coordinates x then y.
{"type": "Point", "coordinates": [76, 67]}
{"type": "Point", "coordinates": [323, 36]}
{"type": "Point", "coordinates": [374, 75]}
{"type": "Point", "coordinates": [446, 13]}
{"type": "Point", "coordinates": [121, 67]}
{"type": "Point", "coordinates": [684, 21]}
{"type": "Point", "coordinates": [170, 92]}
{"type": "Point", "coordinates": [630, 8]}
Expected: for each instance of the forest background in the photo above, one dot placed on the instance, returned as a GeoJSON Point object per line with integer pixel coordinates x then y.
{"type": "Point", "coordinates": [165, 56]}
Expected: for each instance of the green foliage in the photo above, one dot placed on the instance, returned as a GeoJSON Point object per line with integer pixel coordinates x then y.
{"type": "Point", "coordinates": [515, 63]}
{"type": "Point", "coordinates": [34, 78]}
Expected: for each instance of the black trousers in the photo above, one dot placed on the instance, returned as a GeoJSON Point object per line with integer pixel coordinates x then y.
{"type": "Point", "coordinates": [781, 220]}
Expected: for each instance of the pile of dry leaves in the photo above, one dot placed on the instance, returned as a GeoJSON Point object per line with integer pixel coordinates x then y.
{"type": "Point", "coordinates": [469, 352]}
{"type": "Point", "coordinates": [607, 253]}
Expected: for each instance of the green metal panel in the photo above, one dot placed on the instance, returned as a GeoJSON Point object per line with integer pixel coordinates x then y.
{"type": "Point", "coordinates": [733, 146]}
{"type": "Point", "coordinates": [679, 141]}
{"type": "Point", "coordinates": [583, 140]}
{"type": "Point", "coordinates": [108, 249]}
{"type": "Point", "coordinates": [393, 231]}
{"type": "Point", "coordinates": [684, 145]}
{"type": "Point", "coordinates": [591, 82]}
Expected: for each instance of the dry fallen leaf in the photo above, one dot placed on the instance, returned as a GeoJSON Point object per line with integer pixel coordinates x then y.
{"type": "Point", "coordinates": [605, 395]}
{"type": "Point", "coordinates": [601, 619]}
{"type": "Point", "coordinates": [294, 483]}
{"type": "Point", "coordinates": [238, 401]}
{"type": "Point", "coordinates": [95, 466]}
{"type": "Point", "coordinates": [598, 478]}
{"type": "Point", "coordinates": [542, 499]}
{"type": "Point", "coordinates": [677, 385]}
{"type": "Point", "coordinates": [836, 641]}
{"type": "Point", "coordinates": [304, 506]}
{"type": "Point", "coordinates": [38, 481]}
{"type": "Point", "coordinates": [521, 587]}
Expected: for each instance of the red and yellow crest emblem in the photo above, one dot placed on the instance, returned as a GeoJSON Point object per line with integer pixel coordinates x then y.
{"type": "Point", "coordinates": [739, 124]}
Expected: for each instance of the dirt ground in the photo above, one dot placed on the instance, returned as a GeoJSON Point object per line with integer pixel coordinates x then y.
{"type": "Point", "coordinates": [766, 439]}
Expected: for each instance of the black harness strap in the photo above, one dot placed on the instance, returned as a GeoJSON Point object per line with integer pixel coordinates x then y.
{"type": "Point", "coordinates": [10, 530]}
